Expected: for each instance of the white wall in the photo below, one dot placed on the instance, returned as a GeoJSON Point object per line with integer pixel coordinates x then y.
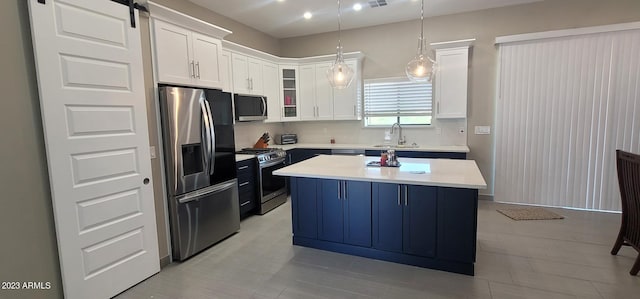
{"type": "Point", "coordinates": [355, 132]}
{"type": "Point", "coordinates": [247, 133]}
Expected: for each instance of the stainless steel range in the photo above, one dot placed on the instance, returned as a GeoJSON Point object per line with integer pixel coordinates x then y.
{"type": "Point", "coordinates": [273, 190]}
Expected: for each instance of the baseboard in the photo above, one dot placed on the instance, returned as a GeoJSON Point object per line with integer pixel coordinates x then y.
{"type": "Point", "coordinates": [485, 197]}
{"type": "Point", "coordinates": [165, 261]}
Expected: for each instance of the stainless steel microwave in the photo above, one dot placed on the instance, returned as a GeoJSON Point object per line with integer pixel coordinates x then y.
{"type": "Point", "coordinates": [250, 108]}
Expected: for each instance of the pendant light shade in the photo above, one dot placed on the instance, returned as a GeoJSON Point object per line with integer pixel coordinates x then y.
{"type": "Point", "coordinates": [339, 74]}
{"type": "Point", "coordinates": [421, 68]}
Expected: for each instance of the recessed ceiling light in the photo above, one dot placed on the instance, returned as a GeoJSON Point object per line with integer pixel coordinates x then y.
{"type": "Point", "coordinates": [357, 7]}
{"type": "Point", "coordinates": [280, 0]}
{"type": "Point", "coordinates": [307, 15]}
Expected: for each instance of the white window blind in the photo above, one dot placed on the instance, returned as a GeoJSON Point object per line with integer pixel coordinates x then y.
{"type": "Point", "coordinates": [396, 97]}
{"type": "Point", "coordinates": [564, 106]}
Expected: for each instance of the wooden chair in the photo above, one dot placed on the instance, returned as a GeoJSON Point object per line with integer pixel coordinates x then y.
{"type": "Point", "coordinates": [629, 181]}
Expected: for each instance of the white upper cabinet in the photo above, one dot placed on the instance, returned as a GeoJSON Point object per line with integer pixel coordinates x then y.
{"type": "Point", "coordinates": [172, 45]}
{"type": "Point", "coordinates": [316, 95]}
{"type": "Point", "coordinates": [225, 71]}
{"type": "Point", "coordinates": [207, 54]}
{"type": "Point", "coordinates": [289, 90]}
{"type": "Point", "coordinates": [186, 57]}
{"type": "Point", "coordinates": [271, 82]}
{"type": "Point", "coordinates": [346, 102]}
{"type": "Point", "coordinates": [307, 105]}
{"type": "Point", "coordinates": [451, 82]}
{"type": "Point", "coordinates": [324, 93]}
{"type": "Point", "coordinates": [186, 50]}
{"type": "Point", "coordinates": [319, 101]}
{"type": "Point", "coordinates": [247, 75]}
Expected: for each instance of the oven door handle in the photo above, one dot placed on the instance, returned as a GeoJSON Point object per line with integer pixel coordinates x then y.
{"type": "Point", "coordinates": [269, 164]}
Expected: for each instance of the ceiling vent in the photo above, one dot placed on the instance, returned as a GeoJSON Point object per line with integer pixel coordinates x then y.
{"type": "Point", "coordinates": [377, 3]}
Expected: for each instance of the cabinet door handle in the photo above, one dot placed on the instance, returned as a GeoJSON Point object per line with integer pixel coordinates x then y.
{"type": "Point", "coordinates": [243, 167]}
{"type": "Point", "coordinates": [406, 195]}
{"type": "Point", "coordinates": [243, 184]}
{"type": "Point", "coordinates": [344, 190]}
{"type": "Point", "coordinates": [339, 189]}
{"type": "Point", "coordinates": [245, 203]}
{"type": "Point", "coordinates": [193, 70]}
{"type": "Point", "coordinates": [251, 84]}
{"type": "Point", "coordinates": [354, 111]}
{"type": "Point", "coordinates": [198, 69]}
{"type": "Point", "coordinates": [399, 195]}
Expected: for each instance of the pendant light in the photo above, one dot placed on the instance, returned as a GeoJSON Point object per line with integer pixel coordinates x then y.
{"type": "Point", "coordinates": [421, 68]}
{"type": "Point", "coordinates": [340, 74]}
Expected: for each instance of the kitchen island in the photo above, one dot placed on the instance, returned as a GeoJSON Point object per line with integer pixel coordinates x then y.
{"type": "Point", "coordinates": [423, 213]}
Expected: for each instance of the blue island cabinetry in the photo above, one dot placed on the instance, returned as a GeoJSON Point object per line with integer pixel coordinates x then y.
{"type": "Point", "coordinates": [426, 226]}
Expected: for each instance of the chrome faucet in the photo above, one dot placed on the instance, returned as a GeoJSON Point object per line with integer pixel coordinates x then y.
{"type": "Point", "coordinates": [401, 140]}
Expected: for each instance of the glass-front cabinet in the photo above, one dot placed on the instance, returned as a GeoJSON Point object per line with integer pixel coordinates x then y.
{"type": "Point", "coordinates": [289, 87]}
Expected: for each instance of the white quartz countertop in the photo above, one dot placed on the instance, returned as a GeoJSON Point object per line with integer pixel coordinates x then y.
{"type": "Point", "coordinates": [426, 148]}
{"type": "Point", "coordinates": [413, 171]}
{"type": "Point", "coordinates": [242, 157]}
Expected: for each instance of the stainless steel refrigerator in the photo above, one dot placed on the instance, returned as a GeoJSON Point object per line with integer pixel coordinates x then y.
{"type": "Point", "coordinates": [199, 153]}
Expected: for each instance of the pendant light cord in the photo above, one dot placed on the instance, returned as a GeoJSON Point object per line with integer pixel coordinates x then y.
{"type": "Point", "coordinates": [339, 29]}
{"type": "Point", "coordinates": [421, 26]}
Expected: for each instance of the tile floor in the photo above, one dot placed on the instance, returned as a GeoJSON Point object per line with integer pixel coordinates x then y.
{"type": "Point", "coordinates": [566, 258]}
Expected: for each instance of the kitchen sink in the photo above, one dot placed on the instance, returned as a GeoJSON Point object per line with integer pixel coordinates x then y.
{"type": "Point", "coordinates": [397, 145]}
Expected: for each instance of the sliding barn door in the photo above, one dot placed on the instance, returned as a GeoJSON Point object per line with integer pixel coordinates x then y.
{"type": "Point", "coordinates": [565, 105]}
{"type": "Point", "coordinates": [89, 68]}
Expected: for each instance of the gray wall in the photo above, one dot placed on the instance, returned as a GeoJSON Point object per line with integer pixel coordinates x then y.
{"type": "Point", "coordinates": [28, 251]}
{"type": "Point", "coordinates": [388, 48]}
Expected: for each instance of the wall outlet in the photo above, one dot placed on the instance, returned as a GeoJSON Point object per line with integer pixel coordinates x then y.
{"type": "Point", "coordinates": [152, 151]}
{"type": "Point", "coordinates": [387, 135]}
{"type": "Point", "coordinates": [482, 130]}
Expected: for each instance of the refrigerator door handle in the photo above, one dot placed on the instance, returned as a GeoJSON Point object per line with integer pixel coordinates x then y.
{"type": "Point", "coordinates": [206, 136]}
{"type": "Point", "coordinates": [206, 191]}
{"type": "Point", "coordinates": [212, 138]}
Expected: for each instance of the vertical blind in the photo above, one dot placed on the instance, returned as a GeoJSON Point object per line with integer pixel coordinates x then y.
{"type": "Point", "coordinates": [564, 106]}
{"type": "Point", "coordinates": [396, 97]}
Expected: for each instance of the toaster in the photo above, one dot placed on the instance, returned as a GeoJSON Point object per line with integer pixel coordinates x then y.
{"type": "Point", "coordinates": [286, 138]}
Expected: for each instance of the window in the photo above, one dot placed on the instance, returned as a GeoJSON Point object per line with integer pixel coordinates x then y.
{"type": "Point", "coordinates": [391, 100]}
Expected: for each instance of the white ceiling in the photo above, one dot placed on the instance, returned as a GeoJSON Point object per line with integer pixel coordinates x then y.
{"type": "Point", "coordinates": [283, 19]}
